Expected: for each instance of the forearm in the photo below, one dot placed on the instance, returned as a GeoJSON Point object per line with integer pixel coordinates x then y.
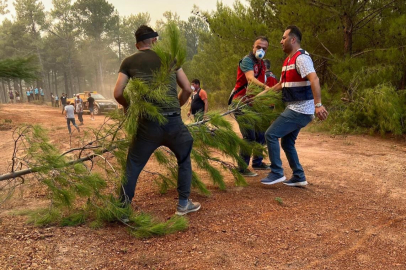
{"type": "Point", "coordinates": [206, 106]}
{"type": "Point", "coordinates": [183, 97]}
{"type": "Point", "coordinates": [184, 84]}
{"type": "Point", "coordinates": [315, 85]}
{"type": "Point", "coordinates": [119, 89]}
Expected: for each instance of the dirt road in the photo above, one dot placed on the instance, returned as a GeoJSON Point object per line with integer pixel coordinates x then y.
{"type": "Point", "coordinates": [352, 215]}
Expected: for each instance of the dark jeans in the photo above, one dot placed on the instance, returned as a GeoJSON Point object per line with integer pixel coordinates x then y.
{"type": "Point", "coordinates": [252, 135]}
{"type": "Point", "coordinates": [150, 135]}
{"type": "Point", "coordinates": [63, 107]}
{"type": "Point", "coordinates": [68, 120]}
{"type": "Point", "coordinates": [80, 117]}
{"type": "Point", "coordinates": [287, 127]}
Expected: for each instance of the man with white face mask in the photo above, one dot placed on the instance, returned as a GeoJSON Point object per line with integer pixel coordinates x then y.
{"type": "Point", "coordinates": [251, 69]}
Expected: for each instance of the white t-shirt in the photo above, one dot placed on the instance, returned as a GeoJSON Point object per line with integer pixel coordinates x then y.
{"type": "Point", "coordinates": [304, 65]}
{"type": "Point", "coordinates": [70, 111]}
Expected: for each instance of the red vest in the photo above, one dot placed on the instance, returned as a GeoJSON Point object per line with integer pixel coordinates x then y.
{"type": "Point", "coordinates": [270, 79]}
{"type": "Point", "coordinates": [240, 88]}
{"type": "Point", "coordinates": [294, 87]}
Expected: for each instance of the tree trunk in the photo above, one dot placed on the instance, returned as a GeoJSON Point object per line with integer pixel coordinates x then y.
{"type": "Point", "coordinates": [402, 83]}
{"type": "Point", "coordinates": [49, 81]}
{"type": "Point", "coordinates": [348, 27]}
{"type": "Point", "coordinates": [65, 76]}
{"type": "Point", "coordinates": [56, 81]}
{"type": "Point", "coordinates": [4, 97]}
{"type": "Point", "coordinates": [9, 89]}
{"type": "Point", "coordinates": [78, 79]}
{"type": "Point", "coordinates": [21, 91]}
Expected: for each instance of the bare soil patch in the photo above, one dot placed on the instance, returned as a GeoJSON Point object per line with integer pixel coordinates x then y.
{"type": "Point", "coordinates": [352, 215]}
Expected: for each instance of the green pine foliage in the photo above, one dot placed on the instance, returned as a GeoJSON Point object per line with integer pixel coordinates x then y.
{"type": "Point", "coordinates": [80, 196]}
{"type": "Point", "coordinates": [21, 68]}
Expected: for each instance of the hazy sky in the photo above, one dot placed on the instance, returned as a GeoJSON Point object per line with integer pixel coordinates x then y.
{"type": "Point", "coordinates": [154, 7]}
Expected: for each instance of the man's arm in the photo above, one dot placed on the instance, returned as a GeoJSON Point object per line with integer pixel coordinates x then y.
{"type": "Point", "coordinates": [251, 79]}
{"type": "Point", "coordinates": [184, 84]}
{"type": "Point", "coordinates": [121, 83]}
{"type": "Point", "coordinates": [203, 96]}
{"type": "Point", "coordinates": [321, 112]}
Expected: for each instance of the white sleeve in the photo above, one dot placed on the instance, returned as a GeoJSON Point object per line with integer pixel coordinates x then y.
{"type": "Point", "coordinates": [304, 65]}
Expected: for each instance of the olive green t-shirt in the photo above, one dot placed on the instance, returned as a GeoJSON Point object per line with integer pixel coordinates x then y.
{"type": "Point", "coordinates": [142, 65]}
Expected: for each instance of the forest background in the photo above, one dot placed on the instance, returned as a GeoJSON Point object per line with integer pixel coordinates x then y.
{"type": "Point", "coordinates": [358, 48]}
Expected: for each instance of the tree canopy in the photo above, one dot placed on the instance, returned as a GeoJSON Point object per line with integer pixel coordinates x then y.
{"type": "Point", "coordinates": [80, 45]}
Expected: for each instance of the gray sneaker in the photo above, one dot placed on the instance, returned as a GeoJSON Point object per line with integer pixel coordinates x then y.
{"type": "Point", "coordinates": [248, 173]}
{"type": "Point", "coordinates": [296, 182]}
{"type": "Point", "coordinates": [190, 207]}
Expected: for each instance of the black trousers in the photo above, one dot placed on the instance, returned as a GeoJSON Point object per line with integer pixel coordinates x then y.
{"type": "Point", "coordinates": [150, 135]}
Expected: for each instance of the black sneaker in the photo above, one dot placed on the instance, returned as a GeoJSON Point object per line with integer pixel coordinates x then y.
{"type": "Point", "coordinates": [296, 182]}
{"type": "Point", "coordinates": [190, 207]}
{"type": "Point", "coordinates": [248, 173]}
{"type": "Point", "coordinates": [263, 166]}
{"type": "Point", "coordinates": [273, 179]}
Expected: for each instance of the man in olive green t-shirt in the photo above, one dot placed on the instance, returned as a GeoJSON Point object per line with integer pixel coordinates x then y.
{"type": "Point", "coordinates": [150, 134]}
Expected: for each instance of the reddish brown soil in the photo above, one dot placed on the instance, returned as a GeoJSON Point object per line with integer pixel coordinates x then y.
{"type": "Point", "coordinates": [352, 215]}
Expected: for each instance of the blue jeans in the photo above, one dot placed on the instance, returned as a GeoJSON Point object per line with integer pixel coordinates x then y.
{"type": "Point", "coordinates": [68, 120]}
{"type": "Point", "coordinates": [251, 135]}
{"type": "Point", "coordinates": [150, 135]}
{"type": "Point", "coordinates": [286, 127]}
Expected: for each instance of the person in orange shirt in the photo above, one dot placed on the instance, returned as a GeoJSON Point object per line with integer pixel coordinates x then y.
{"type": "Point", "coordinates": [199, 103]}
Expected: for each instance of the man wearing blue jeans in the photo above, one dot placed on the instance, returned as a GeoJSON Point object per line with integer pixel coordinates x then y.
{"type": "Point", "coordinates": [150, 134]}
{"type": "Point", "coordinates": [70, 117]}
{"type": "Point", "coordinates": [301, 91]}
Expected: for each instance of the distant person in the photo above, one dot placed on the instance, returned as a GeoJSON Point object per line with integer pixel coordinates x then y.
{"type": "Point", "coordinates": [28, 95]}
{"type": "Point", "coordinates": [41, 92]}
{"type": "Point", "coordinates": [79, 108]}
{"type": "Point", "coordinates": [70, 116]}
{"type": "Point", "coordinates": [11, 96]}
{"type": "Point", "coordinates": [17, 94]}
{"type": "Point", "coordinates": [56, 101]}
{"type": "Point", "coordinates": [270, 78]}
{"type": "Point", "coordinates": [32, 94]}
{"type": "Point", "coordinates": [63, 102]}
{"type": "Point", "coordinates": [302, 94]}
{"type": "Point", "coordinates": [199, 103]}
{"type": "Point", "coordinates": [90, 104]}
{"type": "Point", "coordinates": [36, 92]}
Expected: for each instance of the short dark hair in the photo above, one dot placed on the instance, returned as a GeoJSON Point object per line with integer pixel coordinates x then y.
{"type": "Point", "coordinates": [262, 38]}
{"type": "Point", "coordinates": [295, 31]}
{"type": "Point", "coordinates": [267, 64]}
{"type": "Point", "coordinates": [196, 81]}
{"type": "Point", "coordinates": [142, 30]}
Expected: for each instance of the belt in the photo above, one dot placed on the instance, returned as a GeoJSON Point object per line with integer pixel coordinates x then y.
{"type": "Point", "coordinates": [171, 113]}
